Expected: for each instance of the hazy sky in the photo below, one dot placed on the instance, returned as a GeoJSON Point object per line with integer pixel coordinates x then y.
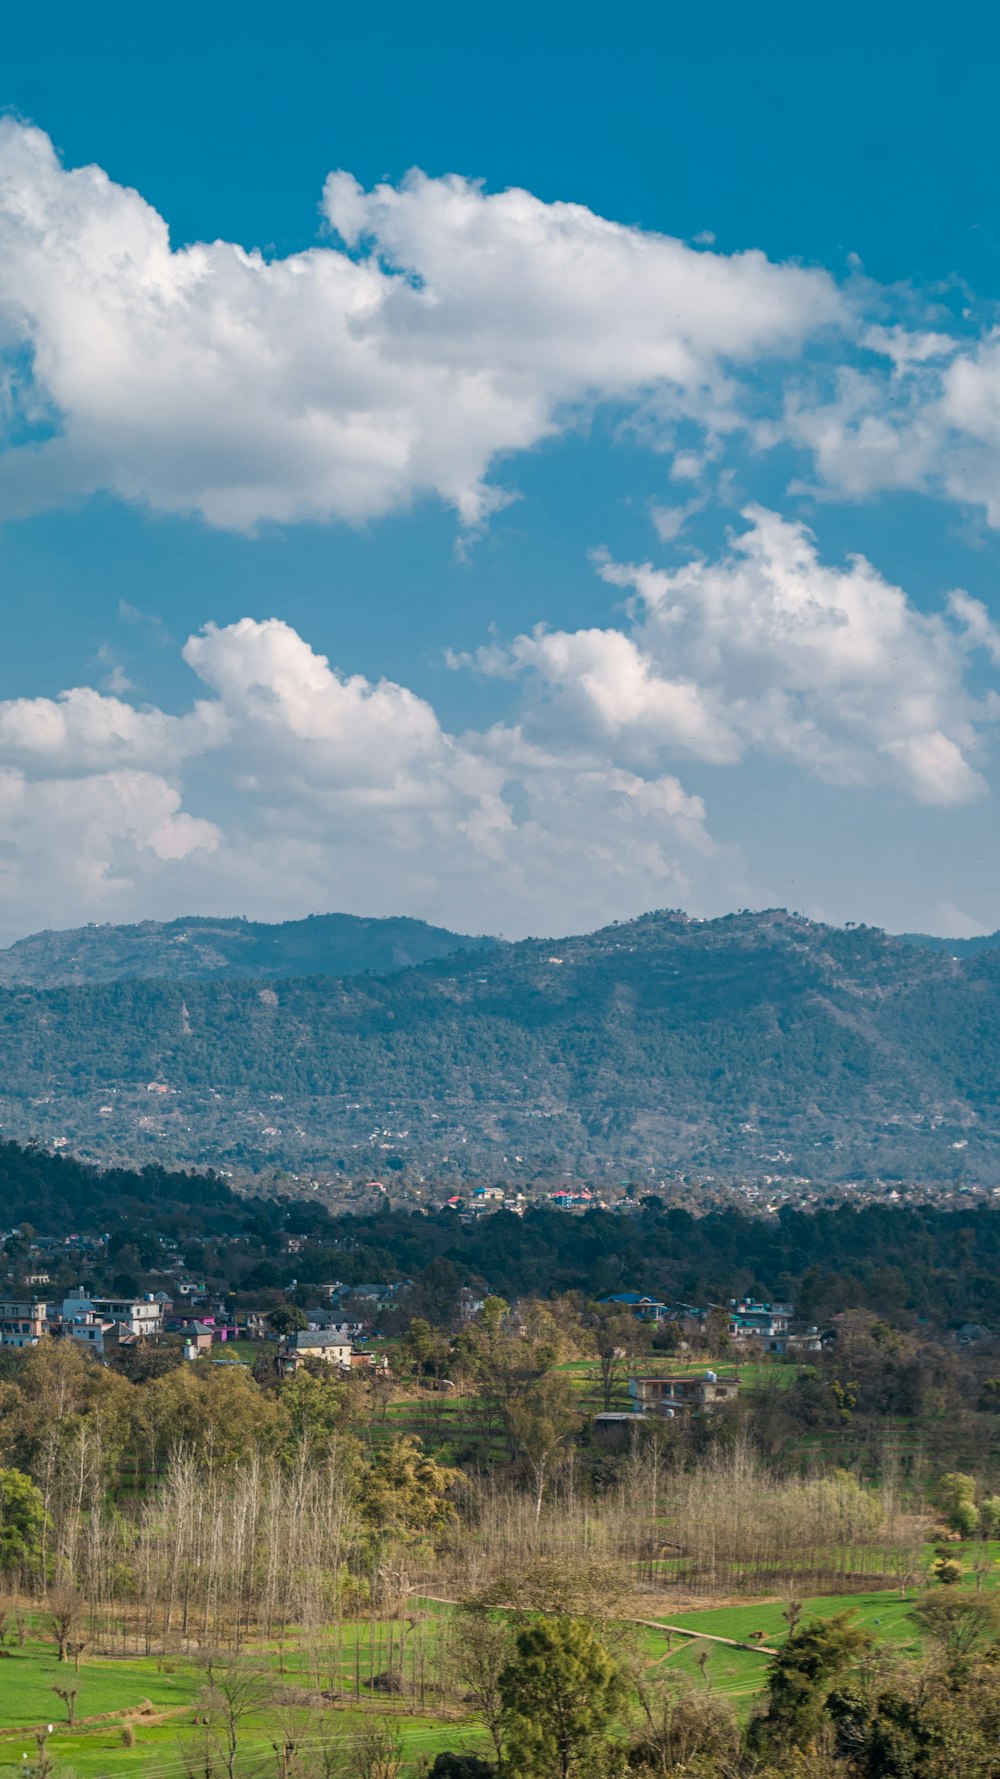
{"type": "Point", "coordinates": [517, 467]}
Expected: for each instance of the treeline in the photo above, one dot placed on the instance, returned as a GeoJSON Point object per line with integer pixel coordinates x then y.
{"type": "Point", "coordinates": [943, 1266]}
{"type": "Point", "coordinates": [904, 1262]}
{"type": "Point", "coordinates": [59, 1196]}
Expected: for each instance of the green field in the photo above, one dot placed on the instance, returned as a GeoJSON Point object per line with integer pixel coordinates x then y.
{"type": "Point", "coordinates": [167, 1750]}
{"type": "Point", "coordinates": [343, 1658]}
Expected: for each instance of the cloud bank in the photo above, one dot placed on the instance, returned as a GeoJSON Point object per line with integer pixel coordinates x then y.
{"type": "Point", "coordinates": [290, 785]}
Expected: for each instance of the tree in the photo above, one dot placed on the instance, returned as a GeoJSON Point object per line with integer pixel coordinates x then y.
{"type": "Point", "coordinates": [541, 1422]}
{"type": "Point", "coordinates": [947, 1570]}
{"type": "Point", "coordinates": [493, 1316]}
{"type": "Point", "coordinates": [375, 1748]}
{"type": "Point", "coordinates": [287, 1319]}
{"type": "Point", "coordinates": [404, 1492]}
{"type": "Point", "coordinates": [424, 1347]}
{"type": "Point", "coordinates": [559, 1695]}
{"type": "Point", "coordinates": [682, 1730]}
{"type": "Point", "coordinates": [237, 1690]}
{"type": "Point", "coordinates": [956, 1497]}
{"type": "Point", "coordinates": [800, 1679]}
{"type": "Point", "coordinates": [615, 1335]}
{"type": "Point", "coordinates": [68, 1695]}
{"type": "Point", "coordinates": [958, 1622]}
{"type": "Point", "coordinates": [483, 1650]}
{"type": "Point", "coordinates": [991, 1516]}
{"type": "Point", "coordinates": [22, 1520]}
{"type": "Point", "coordinates": [65, 1611]}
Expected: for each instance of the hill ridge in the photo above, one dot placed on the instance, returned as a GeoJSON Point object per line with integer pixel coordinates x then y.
{"type": "Point", "coordinates": [759, 1045]}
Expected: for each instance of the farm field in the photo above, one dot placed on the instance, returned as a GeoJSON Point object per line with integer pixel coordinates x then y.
{"type": "Point", "coordinates": [159, 1699]}
{"type": "Point", "coordinates": [163, 1694]}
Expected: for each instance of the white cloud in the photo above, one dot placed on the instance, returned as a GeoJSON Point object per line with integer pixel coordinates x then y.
{"type": "Point", "coordinates": [83, 730]}
{"type": "Point", "coordinates": [931, 425]}
{"type": "Point", "coordinates": [459, 327]}
{"type": "Point", "coordinates": [291, 785]}
{"type": "Point", "coordinates": [70, 846]}
{"type": "Point", "coordinates": [770, 650]}
{"type": "Point", "coordinates": [317, 789]}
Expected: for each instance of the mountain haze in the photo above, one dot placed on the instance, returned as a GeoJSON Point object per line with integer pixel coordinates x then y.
{"type": "Point", "coordinates": [754, 1044]}
{"type": "Point", "coordinates": [196, 946]}
{"type": "Point", "coordinates": [956, 947]}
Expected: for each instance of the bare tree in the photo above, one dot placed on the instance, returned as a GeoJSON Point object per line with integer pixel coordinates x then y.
{"type": "Point", "coordinates": [65, 1611]}
{"type": "Point", "coordinates": [68, 1695]}
{"type": "Point", "coordinates": [483, 1647]}
{"type": "Point", "coordinates": [375, 1748]}
{"type": "Point", "coordinates": [43, 1763]}
{"type": "Point", "coordinates": [616, 1333]}
{"type": "Point", "coordinates": [236, 1691]}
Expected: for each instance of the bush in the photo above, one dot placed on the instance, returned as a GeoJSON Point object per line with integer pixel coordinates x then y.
{"type": "Point", "coordinates": [460, 1766]}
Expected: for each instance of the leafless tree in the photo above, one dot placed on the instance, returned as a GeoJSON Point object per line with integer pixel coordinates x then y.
{"type": "Point", "coordinates": [65, 1610]}
{"type": "Point", "coordinates": [68, 1695]}
{"type": "Point", "coordinates": [375, 1747]}
{"type": "Point", "coordinates": [483, 1647]}
{"type": "Point", "coordinates": [237, 1689]}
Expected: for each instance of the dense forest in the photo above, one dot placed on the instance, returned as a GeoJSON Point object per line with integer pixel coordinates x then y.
{"type": "Point", "coordinates": [905, 1262]}
{"type": "Point", "coordinates": [759, 1043]}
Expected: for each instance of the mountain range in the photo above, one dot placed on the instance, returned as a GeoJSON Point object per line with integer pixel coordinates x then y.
{"type": "Point", "coordinates": [760, 1044]}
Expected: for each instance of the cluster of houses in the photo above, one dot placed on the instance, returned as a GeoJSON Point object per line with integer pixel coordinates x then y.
{"type": "Point", "coordinates": [97, 1323]}
{"type": "Point", "coordinates": [103, 1325]}
{"type": "Point", "coordinates": [750, 1324]}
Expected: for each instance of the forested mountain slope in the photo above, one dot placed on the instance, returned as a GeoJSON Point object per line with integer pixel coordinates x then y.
{"type": "Point", "coordinates": [195, 946]}
{"type": "Point", "coordinates": [755, 1043]}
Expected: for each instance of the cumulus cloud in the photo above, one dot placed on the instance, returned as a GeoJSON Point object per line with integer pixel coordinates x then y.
{"type": "Point", "coordinates": [929, 424]}
{"type": "Point", "coordinates": [70, 846]}
{"type": "Point", "coordinates": [294, 785]}
{"type": "Point", "coordinates": [290, 784]}
{"type": "Point", "coordinates": [449, 327]}
{"type": "Point", "coordinates": [82, 730]}
{"type": "Point", "coordinates": [768, 649]}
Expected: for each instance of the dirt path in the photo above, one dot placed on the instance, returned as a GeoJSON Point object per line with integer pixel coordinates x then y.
{"type": "Point", "coordinates": [654, 1624]}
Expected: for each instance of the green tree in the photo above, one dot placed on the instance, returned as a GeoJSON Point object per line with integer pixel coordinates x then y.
{"type": "Point", "coordinates": [947, 1570]}
{"type": "Point", "coordinates": [313, 1410]}
{"type": "Point", "coordinates": [560, 1693]}
{"type": "Point", "coordinates": [958, 1622]}
{"type": "Point", "coordinates": [22, 1521]}
{"type": "Point", "coordinates": [956, 1497]}
{"type": "Point", "coordinates": [287, 1319]}
{"type": "Point", "coordinates": [800, 1679]}
{"type": "Point", "coordinates": [493, 1315]}
{"type": "Point", "coordinates": [404, 1492]}
{"type": "Point", "coordinates": [991, 1516]}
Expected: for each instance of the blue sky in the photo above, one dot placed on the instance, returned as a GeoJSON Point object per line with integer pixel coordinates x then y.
{"type": "Point", "coordinates": [613, 526]}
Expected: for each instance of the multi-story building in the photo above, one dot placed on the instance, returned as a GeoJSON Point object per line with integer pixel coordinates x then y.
{"type": "Point", "coordinates": [22, 1324]}
{"type": "Point", "coordinates": [142, 1316]}
{"type": "Point", "coordinates": [764, 1322]}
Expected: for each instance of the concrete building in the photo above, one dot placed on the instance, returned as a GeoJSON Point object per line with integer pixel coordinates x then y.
{"type": "Point", "coordinates": [701, 1393]}
{"type": "Point", "coordinates": [22, 1324]}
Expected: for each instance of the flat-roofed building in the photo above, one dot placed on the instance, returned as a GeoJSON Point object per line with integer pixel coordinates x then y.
{"type": "Point", "coordinates": [698, 1393]}
{"type": "Point", "coordinates": [22, 1323]}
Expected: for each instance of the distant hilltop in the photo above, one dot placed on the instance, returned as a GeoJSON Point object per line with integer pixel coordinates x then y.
{"type": "Point", "coordinates": [194, 946]}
